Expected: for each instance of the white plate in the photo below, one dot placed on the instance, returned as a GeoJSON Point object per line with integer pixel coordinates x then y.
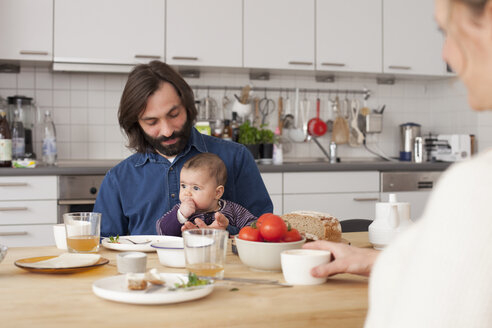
{"type": "Point", "coordinates": [127, 246]}
{"type": "Point", "coordinates": [114, 288]}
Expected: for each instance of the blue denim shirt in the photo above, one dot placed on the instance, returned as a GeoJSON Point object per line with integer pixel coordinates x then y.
{"type": "Point", "coordinates": [139, 190]}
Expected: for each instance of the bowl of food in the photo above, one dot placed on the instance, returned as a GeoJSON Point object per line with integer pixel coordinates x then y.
{"type": "Point", "coordinates": [3, 251]}
{"type": "Point", "coordinates": [171, 252]}
{"type": "Point", "coordinates": [259, 246]}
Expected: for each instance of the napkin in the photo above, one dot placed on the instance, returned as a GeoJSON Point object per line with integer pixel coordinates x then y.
{"type": "Point", "coordinates": [65, 260]}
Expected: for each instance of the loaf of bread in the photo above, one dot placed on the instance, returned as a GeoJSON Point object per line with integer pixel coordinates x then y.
{"type": "Point", "coordinates": [315, 225]}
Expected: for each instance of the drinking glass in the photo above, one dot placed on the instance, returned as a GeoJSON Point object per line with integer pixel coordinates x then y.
{"type": "Point", "coordinates": [205, 251]}
{"type": "Point", "coordinates": [83, 230]}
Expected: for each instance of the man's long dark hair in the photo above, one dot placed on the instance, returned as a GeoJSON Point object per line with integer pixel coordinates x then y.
{"type": "Point", "coordinates": [142, 82]}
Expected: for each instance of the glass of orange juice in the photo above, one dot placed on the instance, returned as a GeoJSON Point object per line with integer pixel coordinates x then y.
{"type": "Point", "coordinates": [83, 230]}
{"type": "Point", "coordinates": [205, 251]}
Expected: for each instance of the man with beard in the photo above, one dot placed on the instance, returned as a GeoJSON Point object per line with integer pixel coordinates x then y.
{"type": "Point", "coordinates": [157, 111]}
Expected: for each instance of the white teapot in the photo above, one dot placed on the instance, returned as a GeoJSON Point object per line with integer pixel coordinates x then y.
{"type": "Point", "coordinates": [391, 218]}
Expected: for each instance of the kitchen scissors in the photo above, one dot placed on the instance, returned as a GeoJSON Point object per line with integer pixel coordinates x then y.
{"type": "Point", "coordinates": [267, 106]}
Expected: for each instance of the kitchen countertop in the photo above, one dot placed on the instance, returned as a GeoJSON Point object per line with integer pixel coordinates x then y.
{"type": "Point", "coordinates": [100, 167]}
{"type": "Point", "coordinates": [61, 300]}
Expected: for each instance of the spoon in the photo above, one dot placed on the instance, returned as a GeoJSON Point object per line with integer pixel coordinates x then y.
{"type": "Point", "coordinates": [137, 242]}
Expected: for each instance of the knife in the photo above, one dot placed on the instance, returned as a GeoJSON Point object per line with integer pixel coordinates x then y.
{"type": "Point", "coordinates": [248, 281]}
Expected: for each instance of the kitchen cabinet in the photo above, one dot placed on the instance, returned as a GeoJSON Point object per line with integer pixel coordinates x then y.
{"type": "Point", "coordinates": [274, 184]}
{"type": "Point", "coordinates": [26, 30]}
{"type": "Point", "coordinates": [412, 42]}
{"type": "Point", "coordinates": [345, 195]}
{"type": "Point", "coordinates": [279, 34]}
{"type": "Point", "coordinates": [198, 33]}
{"type": "Point", "coordinates": [125, 32]}
{"type": "Point", "coordinates": [28, 210]}
{"type": "Point", "coordinates": [349, 35]}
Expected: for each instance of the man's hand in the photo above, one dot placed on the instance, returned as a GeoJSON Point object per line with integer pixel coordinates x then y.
{"type": "Point", "coordinates": [187, 207]}
{"type": "Point", "coordinates": [346, 259]}
{"type": "Point", "coordinates": [220, 222]}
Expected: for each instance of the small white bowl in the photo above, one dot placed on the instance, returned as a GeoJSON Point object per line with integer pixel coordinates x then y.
{"type": "Point", "coordinates": [171, 252]}
{"type": "Point", "coordinates": [264, 256]}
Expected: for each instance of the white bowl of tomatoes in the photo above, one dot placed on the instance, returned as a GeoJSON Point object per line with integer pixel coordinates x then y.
{"type": "Point", "coordinates": [259, 245]}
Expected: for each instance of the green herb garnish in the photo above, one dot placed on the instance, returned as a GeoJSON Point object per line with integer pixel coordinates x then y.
{"type": "Point", "coordinates": [115, 240]}
{"type": "Point", "coordinates": [193, 281]}
{"type": "Point", "coordinates": [233, 289]}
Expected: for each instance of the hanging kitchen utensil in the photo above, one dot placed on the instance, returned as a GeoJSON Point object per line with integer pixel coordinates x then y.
{"type": "Point", "coordinates": [280, 115]}
{"type": "Point", "coordinates": [356, 137]}
{"type": "Point", "coordinates": [364, 111]}
{"type": "Point", "coordinates": [256, 119]}
{"type": "Point", "coordinates": [288, 119]}
{"type": "Point", "coordinates": [340, 133]}
{"type": "Point", "coordinates": [316, 126]}
{"type": "Point", "coordinates": [266, 106]}
{"type": "Point", "coordinates": [305, 109]}
{"type": "Point", "coordinates": [329, 121]}
{"type": "Point", "coordinates": [245, 94]}
{"type": "Point", "coordinates": [225, 103]}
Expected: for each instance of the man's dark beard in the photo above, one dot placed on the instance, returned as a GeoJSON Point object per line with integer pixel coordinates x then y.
{"type": "Point", "coordinates": [171, 150]}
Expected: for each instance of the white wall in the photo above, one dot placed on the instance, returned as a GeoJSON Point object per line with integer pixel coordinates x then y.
{"type": "Point", "coordinates": [85, 106]}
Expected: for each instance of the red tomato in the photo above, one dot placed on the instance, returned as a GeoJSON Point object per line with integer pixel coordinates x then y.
{"type": "Point", "coordinates": [292, 235]}
{"type": "Point", "coordinates": [262, 218]}
{"type": "Point", "coordinates": [250, 233]}
{"type": "Point", "coordinates": [273, 228]}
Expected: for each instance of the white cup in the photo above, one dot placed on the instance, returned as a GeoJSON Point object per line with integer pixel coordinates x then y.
{"type": "Point", "coordinates": [131, 262]}
{"type": "Point", "coordinates": [60, 236]}
{"type": "Point", "coordinates": [297, 265]}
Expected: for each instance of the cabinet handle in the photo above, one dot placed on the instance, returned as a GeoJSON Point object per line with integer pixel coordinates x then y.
{"type": "Point", "coordinates": [370, 199]}
{"type": "Point", "coordinates": [333, 64]}
{"type": "Point", "coordinates": [13, 233]}
{"type": "Point", "coordinates": [147, 56]}
{"type": "Point", "coordinates": [5, 209]}
{"type": "Point", "coordinates": [300, 63]}
{"type": "Point", "coordinates": [400, 67]}
{"type": "Point", "coordinates": [13, 184]}
{"type": "Point", "coordinates": [33, 52]}
{"type": "Point", "coordinates": [77, 202]}
{"type": "Point", "coordinates": [184, 58]}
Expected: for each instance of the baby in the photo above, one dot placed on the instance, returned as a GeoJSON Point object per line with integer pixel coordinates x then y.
{"type": "Point", "coordinates": [202, 182]}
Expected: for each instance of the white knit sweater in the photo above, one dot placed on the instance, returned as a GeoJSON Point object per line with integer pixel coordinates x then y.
{"type": "Point", "coordinates": [439, 272]}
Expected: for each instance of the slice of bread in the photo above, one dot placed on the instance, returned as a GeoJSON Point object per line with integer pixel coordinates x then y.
{"type": "Point", "coordinates": [315, 225]}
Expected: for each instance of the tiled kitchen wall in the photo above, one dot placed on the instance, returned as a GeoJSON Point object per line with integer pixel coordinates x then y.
{"type": "Point", "coordinates": [85, 105]}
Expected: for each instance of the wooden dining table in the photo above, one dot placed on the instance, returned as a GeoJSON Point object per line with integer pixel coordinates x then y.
{"type": "Point", "coordinates": [30, 299]}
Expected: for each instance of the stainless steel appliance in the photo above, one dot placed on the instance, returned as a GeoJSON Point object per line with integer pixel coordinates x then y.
{"type": "Point", "coordinates": [408, 132]}
{"type": "Point", "coordinates": [449, 147]}
{"type": "Point", "coordinates": [412, 187]}
{"type": "Point", "coordinates": [77, 193]}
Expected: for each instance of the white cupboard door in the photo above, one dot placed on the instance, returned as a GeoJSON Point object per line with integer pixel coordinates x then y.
{"type": "Point", "coordinates": [109, 31]}
{"type": "Point", "coordinates": [26, 30]}
{"type": "Point", "coordinates": [204, 32]}
{"type": "Point", "coordinates": [279, 34]}
{"type": "Point", "coordinates": [412, 42]}
{"type": "Point", "coordinates": [349, 35]}
{"type": "Point", "coordinates": [341, 205]}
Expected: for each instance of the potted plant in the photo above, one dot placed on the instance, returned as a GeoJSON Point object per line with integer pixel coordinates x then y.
{"type": "Point", "coordinates": [250, 137]}
{"type": "Point", "coordinates": [267, 139]}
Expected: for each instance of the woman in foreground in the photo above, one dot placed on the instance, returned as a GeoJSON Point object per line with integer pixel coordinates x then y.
{"type": "Point", "coordinates": [438, 273]}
